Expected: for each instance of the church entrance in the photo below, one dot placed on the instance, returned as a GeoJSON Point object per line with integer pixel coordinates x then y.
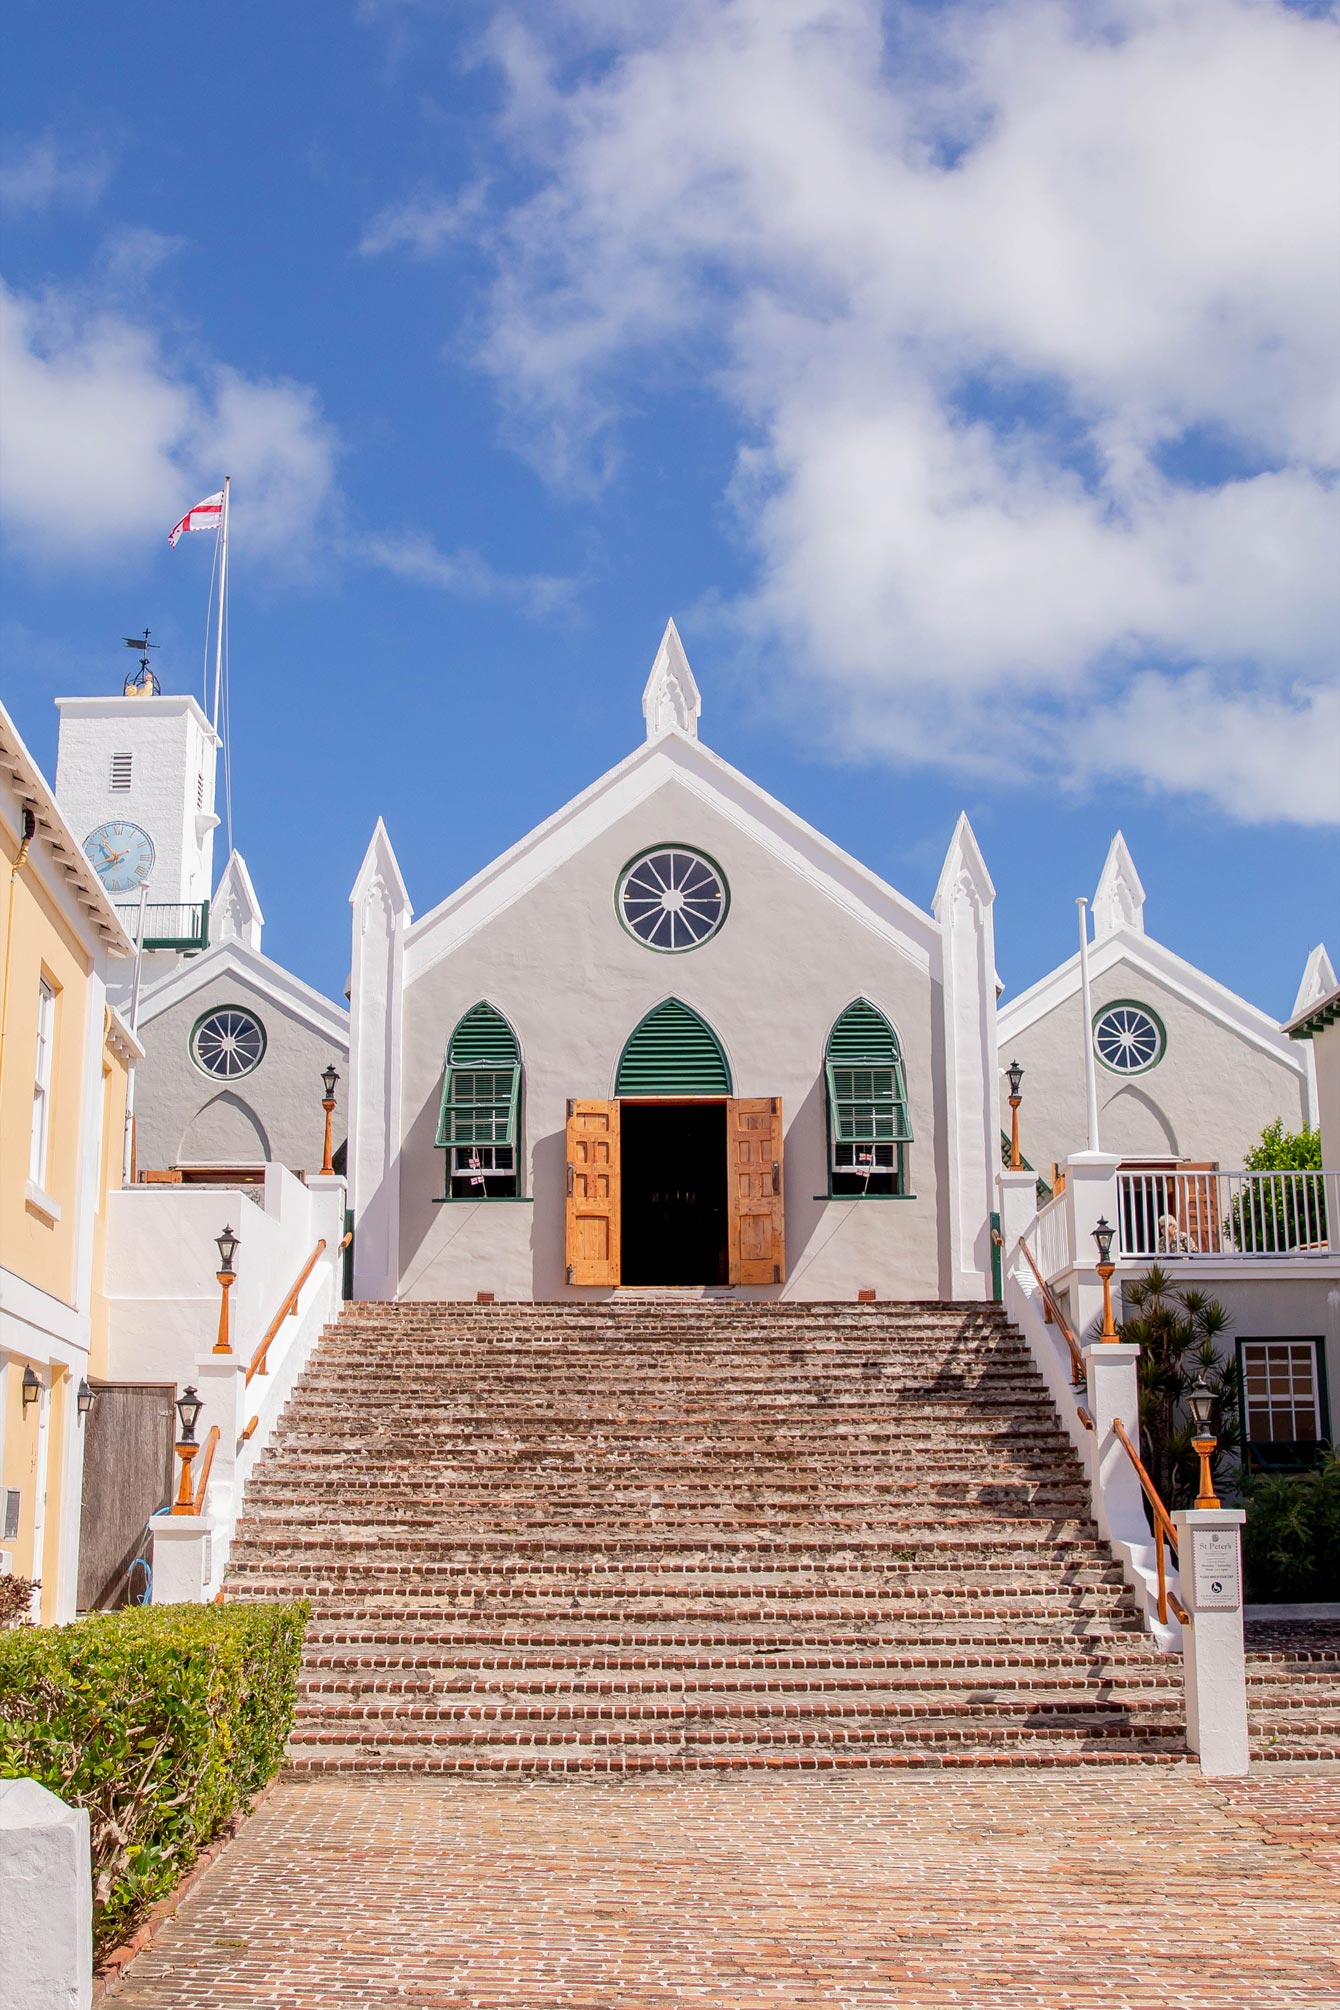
{"type": "Point", "coordinates": [683, 1190]}
{"type": "Point", "coordinates": [674, 1228]}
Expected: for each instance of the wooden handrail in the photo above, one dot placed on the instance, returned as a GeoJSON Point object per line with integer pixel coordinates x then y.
{"type": "Point", "coordinates": [347, 1240]}
{"type": "Point", "coordinates": [198, 1498]}
{"type": "Point", "coordinates": [290, 1305]}
{"type": "Point", "coordinates": [246, 1435]}
{"type": "Point", "coordinates": [1163, 1526]}
{"type": "Point", "coordinates": [1054, 1313]}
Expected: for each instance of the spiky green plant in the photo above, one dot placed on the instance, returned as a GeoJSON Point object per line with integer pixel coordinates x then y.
{"type": "Point", "coordinates": [1178, 1329]}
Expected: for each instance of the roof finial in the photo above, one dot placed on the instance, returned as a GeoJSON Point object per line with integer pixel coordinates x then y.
{"type": "Point", "coordinates": [670, 702]}
{"type": "Point", "coordinates": [1119, 900]}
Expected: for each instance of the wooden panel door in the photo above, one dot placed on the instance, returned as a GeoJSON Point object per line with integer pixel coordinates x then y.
{"type": "Point", "coordinates": [593, 1193]}
{"type": "Point", "coordinates": [128, 1475]}
{"type": "Point", "coordinates": [754, 1190]}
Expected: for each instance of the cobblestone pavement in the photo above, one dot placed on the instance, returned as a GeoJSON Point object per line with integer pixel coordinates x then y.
{"type": "Point", "coordinates": [1113, 1886]}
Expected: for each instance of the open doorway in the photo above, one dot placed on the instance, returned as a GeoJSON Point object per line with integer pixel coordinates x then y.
{"type": "Point", "coordinates": [674, 1225]}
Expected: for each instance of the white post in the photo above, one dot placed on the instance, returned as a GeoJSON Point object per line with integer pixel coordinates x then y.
{"type": "Point", "coordinates": [1018, 1193]}
{"type": "Point", "coordinates": [223, 591]}
{"type": "Point", "coordinates": [1090, 1071]}
{"type": "Point", "coordinates": [46, 1901]}
{"type": "Point", "coordinates": [183, 1557]}
{"type": "Point", "coordinates": [134, 1027]}
{"type": "Point", "coordinates": [1214, 1668]}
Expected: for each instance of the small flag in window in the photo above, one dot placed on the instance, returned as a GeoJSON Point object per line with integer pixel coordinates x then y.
{"type": "Point", "coordinates": [476, 1173]}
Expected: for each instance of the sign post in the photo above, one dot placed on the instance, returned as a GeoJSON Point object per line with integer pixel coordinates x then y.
{"type": "Point", "coordinates": [1214, 1670]}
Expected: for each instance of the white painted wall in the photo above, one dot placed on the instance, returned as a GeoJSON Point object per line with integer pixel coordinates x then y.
{"type": "Point", "coordinates": [1325, 1047]}
{"type": "Point", "coordinates": [574, 984]}
{"type": "Point", "coordinates": [185, 1117]}
{"type": "Point", "coordinates": [1208, 1099]}
{"type": "Point", "coordinates": [46, 1901]}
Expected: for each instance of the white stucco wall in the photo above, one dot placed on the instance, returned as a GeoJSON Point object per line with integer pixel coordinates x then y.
{"type": "Point", "coordinates": [1326, 1050]}
{"type": "Point", "coordinates": [1209, 1097]}
{"type": "Point", "coordinates": [574, 984]}
{"type": "Point", "coordinates": [184, 1116]}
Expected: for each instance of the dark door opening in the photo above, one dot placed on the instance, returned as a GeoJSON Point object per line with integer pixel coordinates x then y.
{"type": "Point", "coordinates": [674, 1193]}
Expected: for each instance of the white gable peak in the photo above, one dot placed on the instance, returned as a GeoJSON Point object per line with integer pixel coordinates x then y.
{"type": "Point", "coordinates": [963, 876]}
{"type": "Point", "coordinates": [671, 702]}
{"type": "Point", "coordinates": [380, 882]}
{"type": "Point", "coordinates": [235, 913]}
{"type": "Point", "coordinates": [1318, 981]}
{"type": "Point", "coordinates": [1119, 900]}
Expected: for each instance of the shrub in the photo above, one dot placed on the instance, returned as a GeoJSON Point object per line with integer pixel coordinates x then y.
{"type": "Point", "coordinates": [1275, 1215]}
{"type": "Point", "coordinates": [164, 1721]}
{"type": "Point", "coordinates": [1292, 1539]}
{"type": "Point", "coordinates": [16, 1596]}
{"type": "Point", "coordinates": [1177, 1329]}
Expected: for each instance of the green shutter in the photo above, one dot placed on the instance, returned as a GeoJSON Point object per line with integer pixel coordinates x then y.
{"type": "Point", "coordinates": [867, 1095]}
{"type": "Point", "coordinates": [482, 1085]}
{"type": "Point", "coordinates": [672, 1053]}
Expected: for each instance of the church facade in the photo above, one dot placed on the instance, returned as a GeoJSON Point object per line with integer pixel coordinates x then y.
{"type": "Point", "coordinates": [673, 1037]}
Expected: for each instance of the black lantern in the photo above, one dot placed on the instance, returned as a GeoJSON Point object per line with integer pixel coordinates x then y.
{"type": "Point", "coordinates": [1016, 1075]}
{"type": "Point", "coordinates": [227, 1250]}
{"type": "Point", "coordinates": [1103, 1235]}
{"type": "Point", "coordinates": [84, 1397]}
{"type": "Point", "coordinates": [1200, 1402]}
{"type": "Point", "coordinates": [189, 1407]}
{"type": "Point", "coordinates": [330, 1078]}
{"type": "Point", "coordinates": [32, 1386]}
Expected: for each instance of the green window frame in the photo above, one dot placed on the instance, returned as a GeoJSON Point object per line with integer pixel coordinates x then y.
{"type": "Point", "coordinates": [869, 1129]}
{"type": "Point", "coordinates": [1274, 1390]}
{"type": "Point", "coordinates": [479, 1116]}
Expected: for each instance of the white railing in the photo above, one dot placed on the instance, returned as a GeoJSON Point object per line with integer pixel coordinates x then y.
{"type": "Point", "coordinates": [1235, 1214]}
{"type": "Point", "coordinates": [1050, 1237]}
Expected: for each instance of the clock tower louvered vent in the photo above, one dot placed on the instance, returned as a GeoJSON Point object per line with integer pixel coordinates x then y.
{"type": "Point", "coordinates": [121, 767]}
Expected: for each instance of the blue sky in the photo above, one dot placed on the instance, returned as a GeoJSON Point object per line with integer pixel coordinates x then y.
{"type": "Point", "coordinates": [962, 379]}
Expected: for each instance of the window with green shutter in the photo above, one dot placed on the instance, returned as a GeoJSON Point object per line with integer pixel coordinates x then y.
{"type": "Point", "coordinates": [868, 1126]}
{"type": "Point", "coordinates": [481, 1099]}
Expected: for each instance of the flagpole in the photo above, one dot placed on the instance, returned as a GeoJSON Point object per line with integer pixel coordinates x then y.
{"type": "Point", "coordinates": [223, 589]}
{"type": "Point", "coordinates": [1090, 1072]}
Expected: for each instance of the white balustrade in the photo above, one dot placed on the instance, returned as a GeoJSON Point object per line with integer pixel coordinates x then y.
{"type": "Point", "coordinates": [1050, 1238]}
{"type": "Point", "coordinates": [1188, 1213]}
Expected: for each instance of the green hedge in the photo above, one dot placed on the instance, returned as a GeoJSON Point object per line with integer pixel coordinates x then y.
{"type": "Point", "coordinates": [163, 1721]}
{"type": "Point", "coordinates": [1292, 1539]}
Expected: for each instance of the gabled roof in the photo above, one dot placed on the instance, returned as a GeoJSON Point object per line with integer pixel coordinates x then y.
{"type": "Point", "coordinates": [672, 757]}
{"type": "Point", "coordinates": [58, 842]}
{"type": "Point", "coordinates": [235, 958]}
{"type": "Point", "coordinates": [1142, 953]}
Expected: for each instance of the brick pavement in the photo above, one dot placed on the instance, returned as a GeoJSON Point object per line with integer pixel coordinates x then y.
{"type": "Point", "coordinates": [1114, 1886]}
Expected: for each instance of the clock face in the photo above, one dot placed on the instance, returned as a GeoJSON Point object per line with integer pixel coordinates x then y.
{"type": "Point", "coordinates": [121, 854]}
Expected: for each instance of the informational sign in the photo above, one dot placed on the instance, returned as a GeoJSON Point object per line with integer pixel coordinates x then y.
{"type": "Point", "coordinates": [1217, 1575]}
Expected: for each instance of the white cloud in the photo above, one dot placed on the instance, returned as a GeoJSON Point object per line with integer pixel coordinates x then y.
{"type": "Point", "coordinates": [40, 178]}
{"type": "Point", "coordinates": [112, 430]}
{"type": "Point", "coordinates": [464, 572]}
{"type": "Point", "coordinates": [423, 224]}
{"type": "Point", "coordinates": [981, 284]}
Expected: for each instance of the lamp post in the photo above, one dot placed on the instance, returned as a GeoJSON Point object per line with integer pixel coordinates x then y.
{"type": "Point", "coordinates": [1200, 1402]}
{"type": "Point", "coordinates": [32, 1387]}
{"type": "Point", "coordinates": [1103, 1235]}
{"type": "Point", "coordinates": [329, 1078]}
{"type": "Point", "coordinates": [1016, 1075]}
{"type": "Point", "coordinates": [227, 1277]}
{"type": "Point", "coordinates": [189, 1407]}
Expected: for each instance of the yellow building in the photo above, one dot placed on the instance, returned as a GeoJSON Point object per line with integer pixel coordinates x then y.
{"type": "Point", "coordinates": [65, 1062]}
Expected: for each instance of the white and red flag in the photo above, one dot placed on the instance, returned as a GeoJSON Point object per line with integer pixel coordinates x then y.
{"type": "Point", "coordinates": [206, 515]}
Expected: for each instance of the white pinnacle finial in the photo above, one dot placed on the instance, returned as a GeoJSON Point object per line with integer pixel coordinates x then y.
{"type": "Point", "coordinates": [1318, 981]}
{"type": "Point", "coordinates": [1119, 900]}
{"type": "Point", "coordinates": [670, 702]}
{"type": "Point", "coordinates": [235, 913]}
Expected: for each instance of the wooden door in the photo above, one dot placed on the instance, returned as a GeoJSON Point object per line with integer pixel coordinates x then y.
{"type": "Point", "coordinates": [754, 1190]}
{"type": "Point", "coordinates": [128, 1475]}
{"type": "Point", "coordinates": [593, 1193]}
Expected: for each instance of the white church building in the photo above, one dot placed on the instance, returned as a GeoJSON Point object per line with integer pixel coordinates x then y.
{"type": "Point", "coordinates": [674, 1036]}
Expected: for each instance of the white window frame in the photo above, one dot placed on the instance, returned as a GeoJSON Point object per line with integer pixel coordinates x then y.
{"type": "Point", "coordinates": [42, 1072]}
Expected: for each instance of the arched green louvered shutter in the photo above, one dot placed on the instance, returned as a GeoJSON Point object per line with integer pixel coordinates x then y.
{"type": "Point", "coordinates": [867, 1095]}
{"type": "Point", "coordinates": [672, 1053]}
{"type": "Point", "coordinates": [483, 1081]}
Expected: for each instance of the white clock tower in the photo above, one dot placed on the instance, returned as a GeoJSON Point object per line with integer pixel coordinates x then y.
{"type": "Point", "coordinates": [135, 778]}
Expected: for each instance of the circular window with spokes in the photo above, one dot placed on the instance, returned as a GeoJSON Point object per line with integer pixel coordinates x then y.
{"type": "Point", "coordinates": [672, 898]}
{"type": "Point", "coordinates": [228, 1043]}
{"type": "Point", "coordinates": [1128, 1038]}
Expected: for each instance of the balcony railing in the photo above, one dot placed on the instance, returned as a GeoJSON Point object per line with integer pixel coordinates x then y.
{"type": "Point", "coordinates": [1228, 1214]}
{"type": "Point", "coordinates": [168, 924]}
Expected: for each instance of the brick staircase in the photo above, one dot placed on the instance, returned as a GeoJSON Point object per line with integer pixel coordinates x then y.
{"type": "Point", "coordinates": [1293, 1688]}
{"type": "Point", "coordinates": [656, 1534]}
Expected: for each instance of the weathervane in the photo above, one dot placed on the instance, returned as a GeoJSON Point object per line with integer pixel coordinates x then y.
{"type": "Point", "coordinates": [145, 685]}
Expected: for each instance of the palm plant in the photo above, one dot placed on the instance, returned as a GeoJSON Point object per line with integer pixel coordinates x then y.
{"type": "Point", "coordinates": [1176, 1329]}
